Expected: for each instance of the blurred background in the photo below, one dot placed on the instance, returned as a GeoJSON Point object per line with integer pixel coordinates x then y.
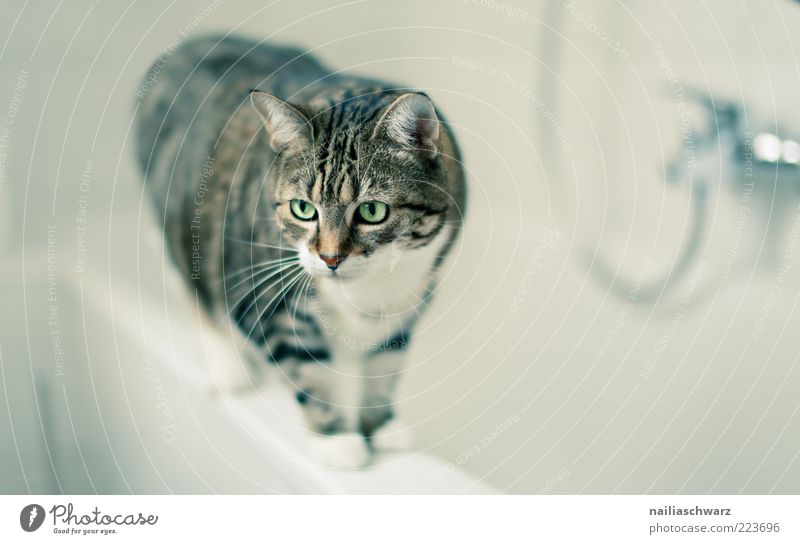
{"type": "Point", "coordinates": [620, 316]}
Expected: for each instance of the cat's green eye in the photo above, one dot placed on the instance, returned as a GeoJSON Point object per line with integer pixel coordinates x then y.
{"type": "Point", "coordinates": [303, 210]}
{"type": "Point", "coordinates": [373, 211]}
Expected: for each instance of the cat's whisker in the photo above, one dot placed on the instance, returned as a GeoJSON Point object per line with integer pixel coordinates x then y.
{"type": "Point", "coordinates": [306, 289]}
{"type": "Point", "coordinates": [263, 244]}
{"type": "Point", "coordinates": [258, 268]}
{"type": "Point", "coordinates": [252, 277]}
{"type": "Point", "coordinates": [258, 294]}
{"type": "Point", "coordinates": [282, 271]}
{"type": "Point", "coordinates": [301, 295]}
{"type": "Point", "coordinates": [282, 294]}
{"type": "Point", "coordinates": [287, 249]}
{"type": "Point", "coordinates": [257, 289]}
{"type": "Point", "coordinates": [262, 263]}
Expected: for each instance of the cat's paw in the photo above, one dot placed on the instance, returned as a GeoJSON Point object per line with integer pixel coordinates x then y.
{"type": "Point", "coordinates": [344, 450]}
{"type": "Point", "coordinates": [393, 436]}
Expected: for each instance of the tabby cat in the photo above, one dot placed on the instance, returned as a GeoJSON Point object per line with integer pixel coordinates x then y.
{"type": "Point", "coordinates": [311, 212]}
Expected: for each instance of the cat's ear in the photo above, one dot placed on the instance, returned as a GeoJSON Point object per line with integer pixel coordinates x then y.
{"type": "Point", "coordinates": [286, 125]}
{"type": "Point", "coordinates": [411, 121]}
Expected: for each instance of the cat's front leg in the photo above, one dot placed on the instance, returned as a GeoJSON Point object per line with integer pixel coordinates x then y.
{"type": "Point", "coordinates": [329, 397]}
{"type": "Point", "coordinates": [378, 420]}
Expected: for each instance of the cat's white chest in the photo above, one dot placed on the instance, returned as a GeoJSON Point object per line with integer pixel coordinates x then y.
{"type": "Point", "coordinates": [365, 312]}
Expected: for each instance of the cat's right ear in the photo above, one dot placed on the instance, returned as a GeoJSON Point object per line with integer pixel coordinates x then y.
{"type": "Point", "coordinates": [287, 126]}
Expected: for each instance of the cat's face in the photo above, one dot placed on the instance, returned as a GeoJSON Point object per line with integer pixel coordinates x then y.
{"type": "Point", "coordinates": [353, 197]}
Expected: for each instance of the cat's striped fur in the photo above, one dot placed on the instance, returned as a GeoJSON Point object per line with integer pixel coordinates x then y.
{"type": "Point", "coordinates": [222, 165]}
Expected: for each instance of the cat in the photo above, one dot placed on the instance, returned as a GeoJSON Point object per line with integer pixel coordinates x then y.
{"type": "Point", "coordinates": [310, 211]}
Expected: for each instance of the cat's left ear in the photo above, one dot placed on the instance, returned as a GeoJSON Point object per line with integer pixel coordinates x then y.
{"type": "Point", "coordinates": [287, 126]}
{"type": "Point", "coordinates": [411, 121]}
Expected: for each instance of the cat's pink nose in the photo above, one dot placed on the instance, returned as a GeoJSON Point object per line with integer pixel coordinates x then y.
{"type": "Point", "coordinates": [332, 261]}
